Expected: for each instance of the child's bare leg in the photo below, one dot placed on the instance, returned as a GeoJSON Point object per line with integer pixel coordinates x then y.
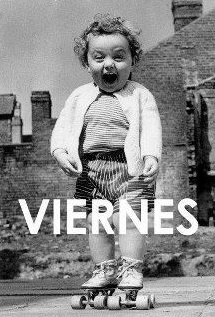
{"type": "Point", "coordinates": [132, 249]}
{"type": "Point", "coordinates": [102, 252]}
{"type": "Point", "coordinates": [102, 245]}
{"type": "Point", "coordinates": [132, 244]}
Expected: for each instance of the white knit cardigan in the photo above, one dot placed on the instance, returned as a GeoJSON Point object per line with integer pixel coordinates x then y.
{"type": "Point", "coordinates": [144, 136]}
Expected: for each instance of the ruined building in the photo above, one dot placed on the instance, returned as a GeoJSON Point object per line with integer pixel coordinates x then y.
{"type": "Point", "coordinates": [180, 72]}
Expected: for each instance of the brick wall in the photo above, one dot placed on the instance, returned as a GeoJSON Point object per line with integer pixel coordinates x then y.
{"type": "Point", "coordinates": [161, 70]}
{"type": "Point", "coordinates": [5, 130]}
{"type": "Point", "coordinates": [27, 170]}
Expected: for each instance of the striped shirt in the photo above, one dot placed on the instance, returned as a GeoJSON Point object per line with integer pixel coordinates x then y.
{"type": "Point", "coordinates": [105, 125]}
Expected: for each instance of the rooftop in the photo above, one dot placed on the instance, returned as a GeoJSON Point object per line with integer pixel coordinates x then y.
{"type": "Point", "coordinates": [7, 103]}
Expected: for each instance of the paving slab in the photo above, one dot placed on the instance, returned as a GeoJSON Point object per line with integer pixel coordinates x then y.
{"type": "Point", "coordinates": [175, 297]}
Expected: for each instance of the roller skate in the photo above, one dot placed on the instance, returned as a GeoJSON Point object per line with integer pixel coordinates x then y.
{"type": "Point", "coordinates": [131, 276]}
{"type": "Point", "coordinates": [98, 288]}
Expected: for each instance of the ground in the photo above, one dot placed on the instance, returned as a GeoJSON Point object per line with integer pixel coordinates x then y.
{"type": "Point", "coordinates": [175, 296]}
{"type": "Point", "coordinates": [26, 256]}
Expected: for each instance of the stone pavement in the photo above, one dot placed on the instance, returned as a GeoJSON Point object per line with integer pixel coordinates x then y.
{"type": "Point", "coordinates": [175, 296]}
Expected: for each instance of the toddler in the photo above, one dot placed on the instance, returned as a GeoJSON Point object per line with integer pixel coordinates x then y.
{"type": "Point", "coordinates": [109, 136]}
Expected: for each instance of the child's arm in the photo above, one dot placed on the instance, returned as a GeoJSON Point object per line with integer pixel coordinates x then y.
{"type": "Point", "coordinates": [62, 127]}
{"type": "Point", "coordinates": [150, 127]}
{"type": "Point", "coordinates": [151, 137]}
{"type": "Point", "coordinates": [59, 139]}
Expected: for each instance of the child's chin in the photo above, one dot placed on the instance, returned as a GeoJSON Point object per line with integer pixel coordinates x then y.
{"type": "Point", "coordinates": [109, 88]}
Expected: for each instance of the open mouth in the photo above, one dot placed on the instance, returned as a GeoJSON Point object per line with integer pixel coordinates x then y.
{"type": "Point", "coordinates": [109, 78]}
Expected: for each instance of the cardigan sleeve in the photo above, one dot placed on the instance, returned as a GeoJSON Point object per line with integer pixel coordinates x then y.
{"type": "Point", "coordinates": [63, 124]}
{"type": "Point", "coordinates": [150, 126]}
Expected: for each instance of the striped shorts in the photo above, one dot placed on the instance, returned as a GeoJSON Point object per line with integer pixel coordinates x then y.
{"type": "Point", "coordinates": [105, 176]}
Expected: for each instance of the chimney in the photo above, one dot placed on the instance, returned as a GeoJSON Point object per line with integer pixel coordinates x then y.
{"type": "Point", "coordinates": [16, 124]}
{"type": "Point", "coordinates": [185, 12]}
{"type": "Point", "coordinates": [41, 105]}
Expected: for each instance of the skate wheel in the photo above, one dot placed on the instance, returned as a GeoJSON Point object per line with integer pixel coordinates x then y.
{"type": "Point", "coordinates": [100, 302]}
{"type": "Point", "coordinates": [152, 300]}
{"type": "Point", "coordinates": [143, 302]}
{"type": "Point", "coordinates": [114, 302]}
{"type": "Point", "coordinates": [77, 302]}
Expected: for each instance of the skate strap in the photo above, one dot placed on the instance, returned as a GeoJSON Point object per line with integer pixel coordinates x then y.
{"type": "Point", "coordinates": [128, 267]}
{"type": "Point", "coordinates": [101, 267]}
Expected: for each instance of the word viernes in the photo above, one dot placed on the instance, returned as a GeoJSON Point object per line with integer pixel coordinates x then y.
{"type": "Point", "coordinates": [101, 218]}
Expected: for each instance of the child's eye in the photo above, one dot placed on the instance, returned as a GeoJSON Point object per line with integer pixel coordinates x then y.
{"type": "Point", "coordinates": [119, 58]}
{"type": "Point", "coordinates": [99, 58]}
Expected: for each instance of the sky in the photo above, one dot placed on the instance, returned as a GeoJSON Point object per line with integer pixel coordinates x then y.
{"type": "Point", "coordinates": [37, 39]}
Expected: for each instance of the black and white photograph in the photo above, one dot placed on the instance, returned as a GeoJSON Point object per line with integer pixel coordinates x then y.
{"type": "Point", "coordinates": [107, 158]}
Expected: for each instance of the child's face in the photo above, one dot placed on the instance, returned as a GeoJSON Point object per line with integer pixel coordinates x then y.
{"type": "Point", "coordinates": [109, 61]}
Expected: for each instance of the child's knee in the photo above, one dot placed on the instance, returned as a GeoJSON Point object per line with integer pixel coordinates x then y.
{"type": "Point", "coordinates": [117, 219]}
{"type": "Point", "coordinates": [91, 222]}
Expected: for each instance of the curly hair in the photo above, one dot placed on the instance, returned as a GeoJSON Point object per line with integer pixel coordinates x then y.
{"type": "Point", "coordinates": [105, 24]}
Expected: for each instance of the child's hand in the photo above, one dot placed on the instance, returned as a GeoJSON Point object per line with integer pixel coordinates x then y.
{"type": "Point", "coordinates": [69, 166]}
{"type": "Point", "coordinates": [151, 169]}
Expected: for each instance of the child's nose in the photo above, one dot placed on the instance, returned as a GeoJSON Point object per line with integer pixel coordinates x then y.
{"type": "Point", "coordinates": [109, 63]}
